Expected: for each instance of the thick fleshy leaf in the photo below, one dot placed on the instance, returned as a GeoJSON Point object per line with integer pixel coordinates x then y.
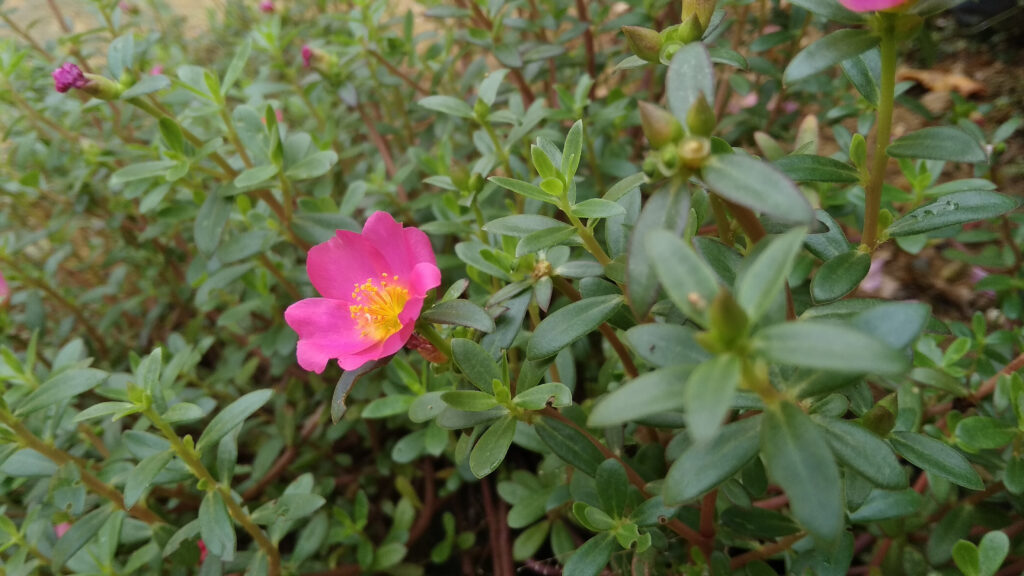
{"type": "Point", "coordinates": [688, 281]}
{"type": "Point", "coordinates": [758, 186]}
{"type": "Point", "coordinates": [570, 323]}
{"type": "Point", "coordinates": [936, 457]}
{"type": "Point", "coordinates": [828, 346]}
{"type": "Point", "coordinates": [830, 50]}
{"type": "Point", "coordinates": [650, 393]}
{"type": "Point", "coordinates": [690, 74]}
{"type": "Point", "coordinates": [709, 394]}
{"type": "Point", "coordinates": [953, 209]}
{"type": "Point", "coordinates": [703, 466]}
{"type": "Point", "coordinates": [840, 276]}
{"type": "Point", "coordinates": [762, 281]}
{"type": "Point", "coordinates": [939, 143]}
{"type": "Point", "coordinates": [492, 446]}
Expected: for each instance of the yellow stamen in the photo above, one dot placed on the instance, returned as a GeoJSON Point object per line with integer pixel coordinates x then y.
{"type": "Point", "coordinates": [377, 306]}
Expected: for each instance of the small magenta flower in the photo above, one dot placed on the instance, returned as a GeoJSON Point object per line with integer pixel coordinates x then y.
{"type": "Point", "coordinates": [871, 5]}
{"type": "Point", "coordinates": [373, 285]}
{"type": "Point", "coordinates": [307, 56]}
{"type": "Point", "coordinates": [202, 551]}
{"type": "Point", "coordinates": [267, 6]}
{"type": "Point", "coordinates": [156, 70]}
{"type": "Point", "coordinates": [69, 76]}
{"type": "Point", "coordinates": [61, 529]}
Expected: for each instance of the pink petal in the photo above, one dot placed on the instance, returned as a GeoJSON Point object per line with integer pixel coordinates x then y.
{"type": "Point", "coordinates": [326, 330]}
{"type": "Point", "coordinates": [338, 265]}
{"type": "Point", "coordinates": [420, 249]}
{"type": "Point", "coordinates": [392, 344]}
{"type": "Point", "coordinates": [425, 276]}
{"type": "Point", "coordinates": [386, 235]}
{"type": "Point", "coordinates": [870, 5]}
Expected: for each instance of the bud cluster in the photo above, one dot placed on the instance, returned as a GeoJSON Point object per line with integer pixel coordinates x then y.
{"type": "Point", "coordinates": [659, 46]}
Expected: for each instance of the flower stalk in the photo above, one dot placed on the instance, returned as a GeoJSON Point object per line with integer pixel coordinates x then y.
{"type": "Point", "coordinates": [883, 131]}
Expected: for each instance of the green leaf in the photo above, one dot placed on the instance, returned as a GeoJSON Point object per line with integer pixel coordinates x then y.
{"type": "Point", "coordinates": [460, 313]}
{"type": "Point", "coordinates": [690, 74]}
{"type": "Point", "coordinates": [840, 276]}
{"type": "Point", "coordinates": [215, 526]}
{"type": "Point", "coordinates": [63, 386]}
{"type": "Point", "coordinates": [182, 412]}
{"type": "Point", "coordinates": [81, 532]}
{"type": "Point", "coordinates": [572, 151]}
{"type": "Point", "coordinates": [886, 505]}
{"type": "Point", "coordinates": [256, 175]}
{"type": "Point", "coordinates": [830, 50]}
{"type": "Point", "coordinates": [543, 240]}
{"type": "Point", "coordinates": [625, 186]}
{"type": "Point", "coordinates": [447, 105]}
{"type": "Point", "coordinates": [597, 208]}
{"type": "Point", "coordinates": [936, 457]}
{"type": "Point", "coordinates": [232, 416]}
{"type": "Point", "coordinates": [709, 394]}
{"type": "Point", "coordinates": [864, 72]}
{"type": "Point", "coordinates": [524, 189]}
{"type": "Point", "coordinates": [953, 209]}
{"type": "Point", "coordinates": [939, 143]}
{"type": "Point", "coordinates": [666, 344]}
{"type": "Point", "coordinates": [570, 323]}
{"type": "Point", "coordinates": [965, 555]}
{"type": "Point", "coordinates": [141, 170]}
{"type": "Point", "coordinates": [570, 445]}
{"type": "Point", "coordinates": [313, 166]}
{"type": "Point", "coordinates": [554, 393]}
{"type": "Point", "coordinates": [591, 558]}
{"type": "Point", "coordinates": [522, 225]}
{"type": "Point", "coordinates": [758, 186]}
{"type": "Point", "coordinates": [143, 474]}
{"type": "Point", "coordinates": [147, 85]}
{"type": "Point", "coordinates": [810, 168]}
{"type": "Point", "coordinates": [288, 508]}
{"type": "Point", "coordinates": [469, 400]}
{"type": "Point", "coordinates": [103, 409]}
{"type": "Point", "coordinates": [688, 281]}
{"type": "Point", "coordinates": [703, 466]}
{"type": "Point", "coordinates": [650, 393]}
{"type": "Point", "coordinates": [121, 54]}
{"type": "Point", "coordinates": [388, 406]}
{"type": "Point", "coordinates": [992, 550]}
{"type": "Point", "coordinates": [857, 448]}
{"type": "Point", "coordinates": [612, 487]}
{"type": "Point", "coordinates": [983, 433]}
{"type": "Point", "coordinates": [530, 540]}
{"type": "Point", "coordinates": [475, 363]}
{"type": "Point", "coordinates": [492, 446]}
{"type": "Point", "coordinates": [762, 282]}
{"type": "Point", "coordinates": [668, 209]}
{"type": "Point", "coordinates": [237, 65]}
{"type": "Point", "coordinates": [828, 346]}
{"type": "Point", "coordinates": [965, 185]}
{"type": "Point", "coordinates": [798, 458]}
{"type": "Point", "coordinates": [830, 9]}
{"type": "Point", "coordinates": [210, 222]}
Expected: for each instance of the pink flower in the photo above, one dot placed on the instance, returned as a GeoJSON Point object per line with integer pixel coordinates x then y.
{"type": "Point", "coordinates": [202, 551]}
{"type": "Point", "coordinates": [267, 6]}
{"type": "Point", "coordinates": [373, 286]}
{"type": "Point", "coordinates": [156, 70]}
{"type": "Point", "coordinates": [307, 56]}
{"type": "Point", "coordinates": [61, 529]}
{"type": "Point", "coordinates": [871, 5]}
{"type": "Point", "coordinates": [69, 76]}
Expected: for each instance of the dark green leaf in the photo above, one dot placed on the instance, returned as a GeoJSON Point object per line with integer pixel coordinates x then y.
{"type": "Point", "coordinates": [763, 281]}
{"type": "Point", "coordinates": [857, 448]}
{"type": "Point", "coordinates": [886, 505]}
{"type": "Point", "coordinates": [475, 363]}
{"type": "Point", "coordinates": [524, 189]}
{"type": "Point", "coordinates": [828, 346]}
{"type": "Point", "coordinates": [939, 143]}
{"type": "Point", "coordinates": [758, 186]}
{"type": "Point", "coordinates": [215, 526]}
{"type": "Point", "coordinates": [688, 281]}
{"type": "Point", "coordinates": [612, 487]}
{"type": "Point", "coordinates": [810, 168]}
{"type": "Point", "coordinates": [460, 313]}
{"type": "Point", "coordinates": [668, 209]}
{"type": "Point", "coordinates": [830, 50]}
{"type": "Point", "coordinates": [209, 224]}
{"type": "Point", "coordinates": [983, 433]}
{"type": "Point", "coordinates": [492, 446]}
{"type": "Point", "coordinates": [953, 209]}
{"type": "Point", "coordinates": [522, 225]}
{"type": "Point", "coordinates": [650, 393]}
{"type": "Point", "coordinates": [798, 458]}
{"type": "Point", "coordinates": [830, 9]}
{"type": "Point", "coordinates": [143, 474]}
{"type": "Point", "coordinates": [570, 323]}
{"type": "Point", "coordinates": [704, 466]}
{"type": "Point", "coordinates": [232, 416]}
{"type": "Point", "coordinates": [61, 387]}
{"type": "Point", "coordinates": [536, 398]}
{"type": "Point", "coordinates": [937, 458]}
{"type": "Point", "coordinates": [81, 532]}
{"type": "Point", "coordinates": [570, 445]}
{"type": "Point", "coordinates": [709, 394]}
{"type": "Point", "coordinates": [666, 344]}
{"type": "Point", "coordinates": [840, 276]}
{"type": "Point", "coordinates": [469, 400]}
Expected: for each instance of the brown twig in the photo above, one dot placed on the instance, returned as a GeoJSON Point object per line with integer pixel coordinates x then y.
{"type": "Point", "coordinates": [707, 521]}
{"type": "Point", "coordinates": [766, 551]}
{"type": "Point", "coordinates": [983, 391]}
{"type": "Point", "coordinates": [394, 70]}
{"type": "Point", "coordinates": [588, 40]}
{"type": "Point", "coordinates": [429, 499]}
{"type": "Point", "coordinates": [286, 457]}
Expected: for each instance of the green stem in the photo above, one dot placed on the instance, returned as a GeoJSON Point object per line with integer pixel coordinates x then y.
{"type": "Point", "coordinates": [589, 242]}
{"type": "Point", "coordinates": [426, 329]}
{"type": "Point", "coordinates": [502, 155]}
{"type": "Point", "coordinates": [879, 161]}
{"type": "Point", "coordinates": [191, 459]}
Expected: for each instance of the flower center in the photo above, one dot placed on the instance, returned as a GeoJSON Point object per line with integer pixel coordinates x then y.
{"type": "Point", "coordinates": [377, 306]}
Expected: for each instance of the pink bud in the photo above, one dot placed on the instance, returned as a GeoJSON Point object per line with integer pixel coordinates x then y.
{"type": "Point", "coordinates": [68, 76]}
{"type": "Point", "coordinates": [61, 529]}
{"type": "Point", "coordinates": [307, 56]}
{"type": "Point", "coordinates": [156, 70]}
{"type": "Point", "coordinates": [267, 6]}
{"type": "Point", "coordinates": [202, 551]}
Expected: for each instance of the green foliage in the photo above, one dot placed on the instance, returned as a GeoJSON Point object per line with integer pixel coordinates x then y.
{"type": "Point", "coordinates": [644, 356]}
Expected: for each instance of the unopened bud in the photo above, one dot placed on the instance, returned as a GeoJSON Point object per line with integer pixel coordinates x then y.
{"type": "Point", "coordinates": [428, 351]}
{"type": "Point", "coordinates": [728, 321]}
{"type": "Point", "coordinates": [807, 135]}
{"type": "Point", "coordinates": [690, 30]}
{"type": "Point", "coordinates": [542, 269]}
{"type": "Point", "coordinates": [694, 151]}
{"type": "Point", "coordinates": [659, 125]}
{"type": "Point", "coordinates": [702, 9]}
{"type": "Point", "coordinates": [69, 76]}
{"type": "Point", "coordinates": [317, 59]}
{"type": "Point", "coordinates": [644, 42]}
{"type": "Point", "coordinates": [701, 118]}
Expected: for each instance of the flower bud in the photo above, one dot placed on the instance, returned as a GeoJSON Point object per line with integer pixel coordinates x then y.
{"type": "Point", "coordinates": [701, 118]}
{"type": "Point", "coordinates": [267, 6]}
{"type": "Point", "coordinates": [728, 325]}
{"type": "Point", "coordinates": [660, 127]}
{"type": "Point", "coordinates": [690, 30]}
{"type": "Point", "coordinates": [873, 5]}
{"type": "Point", "coordinates": [69, 76]}
{"type": "Point", "coordinates": [694, 151]}
{"type": "Point", "coordinates": [644, 42]}
{"type": "Point", "coordinates": [807, 136]}
{"type": "Point", "coordinates": [702, 9]}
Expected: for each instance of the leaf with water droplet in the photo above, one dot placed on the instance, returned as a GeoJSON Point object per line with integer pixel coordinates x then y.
{"type": "Point", "coordinates": [954, 209]}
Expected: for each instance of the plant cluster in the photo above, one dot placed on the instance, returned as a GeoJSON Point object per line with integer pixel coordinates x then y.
{"type": "Point", "coordinates": [516, 286]}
